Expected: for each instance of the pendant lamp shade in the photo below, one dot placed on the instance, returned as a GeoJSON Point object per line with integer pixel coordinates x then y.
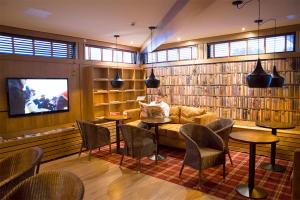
{"type": "Point", "coordinates": [258, 78]}
{"type": "Point", "coordinates": [117, 82]}
{"type": "Point", "coordinates": [152, 81]}
{"type": "Point", "coordinates": [277, 80]}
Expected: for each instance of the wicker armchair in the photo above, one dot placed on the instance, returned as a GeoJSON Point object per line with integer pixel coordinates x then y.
{"type": "Point", "coordinates": [93, 136]}
{"type": "Point", "coordinates": [139, 143]}
{"type": "Point", "coordinates": [17, 167]}
{"type": "Point", "coordinates": [223, 128]}
{"type": "Point", "coordinates": [52, 185]}
{"type": "Point", "coordinates": [204, 148]}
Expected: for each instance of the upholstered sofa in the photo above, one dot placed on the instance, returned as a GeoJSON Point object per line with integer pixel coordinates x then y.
{"type": "Point", "coordinates": [169, 133]}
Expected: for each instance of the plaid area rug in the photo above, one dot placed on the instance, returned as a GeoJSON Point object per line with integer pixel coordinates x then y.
{"type": "Point", "coordinates": [276, 184]}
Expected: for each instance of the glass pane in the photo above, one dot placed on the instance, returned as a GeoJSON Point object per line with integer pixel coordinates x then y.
{"type": "Point", "coordinates": [23, 46]}
{"type": "Point", "coordinates": [222, 50]}
{"type": "Point", "coordinates": [107, 54]}
{"type": "Point", "coordinates": [211, 50]}
{"type": "Point", "coordinates": [290, 42]}
{"type": "Point", "coordinates": [86, 52]}
{"type": "Point", "coordinates": [194, 52]}
{"type": "Point", "coordinates": [95, 53]}
{"type": "Point", "coordinates": [118, 56]}
{"type": "Point", "coordinates": [161, 56]}
{"type": "Point", "coordinates": [275, 44]}
{"type": "Point", "coordinates": [185, 53]}
{"type": "Point", "coordinates": [151, 57]}
{"type": "Point", "coordinates": [42, 48]}
{"type": "Point", "coordinates": [238, 48]}
{"type": "Point", "coordinates": [60, 50]}
{"type": "Point", "coordinates": [253, 45]}
{"type": "Point", "coordinates": [173, 55]}
{"type": "Point", "coordinates": [5, 44]}
{"type": "Point", "coordinates": [127, 57]}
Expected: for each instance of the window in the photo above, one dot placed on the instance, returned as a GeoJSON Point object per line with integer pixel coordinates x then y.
{"type": "Point", "coordinates": [173, 54]}
{"type": "Point", "coordinates": [36, 47]}
{"type": "Point", "coordinates": [162, 56]}
{"type": "Point", "coordinates": [109, 55]}
{"type": "Point", "coordinates": [169, 55]}
{"type": "Point", "coordinates": [269, 44]}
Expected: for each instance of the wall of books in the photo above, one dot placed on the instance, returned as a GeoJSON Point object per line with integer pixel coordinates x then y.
{"type": "Point", "coordinates": [221, 88]}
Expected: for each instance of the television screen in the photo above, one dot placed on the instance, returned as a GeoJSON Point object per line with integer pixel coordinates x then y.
{"type": "Point", "coordinates": [37, 96]}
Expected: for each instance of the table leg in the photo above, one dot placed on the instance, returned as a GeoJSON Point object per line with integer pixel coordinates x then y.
{"type": "Point", "coordinates": [272, 166]}
{"type": "Point", "coordinates": [118, 136]}
{"type": "Point", "coordinates": [159, 156]}
{"type": "Point", "coordinates": [250, 191]}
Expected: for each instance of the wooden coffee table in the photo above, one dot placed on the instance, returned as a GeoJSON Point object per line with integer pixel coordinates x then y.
{"type": "Point", "coordinates": [156, 122]}
{"type": "Point", "coordinates": [274, 126]}
{"type": "Point", "coordinates": [252, 138]}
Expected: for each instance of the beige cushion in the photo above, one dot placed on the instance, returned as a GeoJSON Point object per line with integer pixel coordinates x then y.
{"type": "Point", "coordinates": [170, 130]}
{"type": "Point", "coordinates": [188, 114]}
{"type": "Point", "coordinates": [175, 114]}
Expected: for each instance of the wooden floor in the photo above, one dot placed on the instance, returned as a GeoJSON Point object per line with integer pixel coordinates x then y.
{"type": "Point", "coordinates": [104, 180]}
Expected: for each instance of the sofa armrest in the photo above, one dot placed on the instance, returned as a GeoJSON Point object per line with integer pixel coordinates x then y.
{"type": "Point", "coordinates": [206, 118]}
{"type": "Point", "coordinates": [132, 114]}
{"type": "Point", "coordinates": [296, 176]}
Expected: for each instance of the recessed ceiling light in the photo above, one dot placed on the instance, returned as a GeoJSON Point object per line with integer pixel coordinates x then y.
{"type": "Point", "coordinates": [131, 42]}
{"type": "Point", "coordinates": [243, 29]}
{"type": "Point", "coordinates": [291, 17]}
{"type": "Point", "coordinates": [178, 39]}
{"type": "Point", "coordinates": [37, 12]}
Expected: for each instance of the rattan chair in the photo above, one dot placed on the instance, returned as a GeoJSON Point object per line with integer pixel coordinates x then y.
{"type": "Point", "coordinates": [51, 185]}
{"type": "Point", "coordinates": [223, 128]}
{"type": "Point", "coordinates": [93, 136]}
{"type": "Point", "coordinates": [138, 143]}
{"type": "Point", "coordinates": [204, 148]}
{"type": "Point", "coordinates": [17, 167]}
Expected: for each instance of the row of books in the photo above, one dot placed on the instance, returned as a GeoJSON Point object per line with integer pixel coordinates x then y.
{"type": "Point", "coordinates": [235, 102]}
{"type": "Point", "coordinates": [282, 65]}
{"type": "Point", "coordinates": [291, 91]}
{"type": "Point", "coordinates": [220, 79]}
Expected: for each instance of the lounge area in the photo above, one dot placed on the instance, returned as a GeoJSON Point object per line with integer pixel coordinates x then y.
{"type": "Point", "coordinates": [135, 99]}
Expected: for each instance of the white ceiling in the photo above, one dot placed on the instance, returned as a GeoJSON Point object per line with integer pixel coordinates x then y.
{"type": "Point", "coordinates": [101, 19]}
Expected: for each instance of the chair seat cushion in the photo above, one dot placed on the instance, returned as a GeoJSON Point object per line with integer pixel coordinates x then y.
{"type": "Point", "coordinates": [211, 157]}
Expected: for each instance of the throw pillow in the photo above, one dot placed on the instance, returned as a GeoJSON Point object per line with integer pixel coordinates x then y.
{"type": "Point", "coordinates": [175, 114]}
{"type": "Point", "coordinates": [189, 114]}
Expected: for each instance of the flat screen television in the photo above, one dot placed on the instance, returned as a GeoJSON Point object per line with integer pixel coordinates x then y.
{"type": "Point", "coordinates": [29, 96]}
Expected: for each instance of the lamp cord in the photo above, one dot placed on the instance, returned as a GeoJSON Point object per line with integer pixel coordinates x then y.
{"type": "Point", "coordinates": [258, 23]}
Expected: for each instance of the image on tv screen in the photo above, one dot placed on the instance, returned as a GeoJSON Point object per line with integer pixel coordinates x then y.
{"type": "Point", "coordinates": [32, 96]}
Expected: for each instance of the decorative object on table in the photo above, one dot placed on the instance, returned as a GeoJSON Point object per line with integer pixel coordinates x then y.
{"type": "Point", "coordinates": [51, 185]}
{"type": "Point", "coordinates": [93, 136]}
{"type": "Point", "coordinates": [117, 82]}
{"type": "Point", "coordinates": [204, 148]}
{"type": "Point", "coordinates": [253, 138]}
{"type": "Point", "coordinates": [139, 143]}
{"type": "Point", "coordinates": [223, 128]}
{"type": "Point", "coordinates": [274, 126]}
{"type": "Point", "coordinates": [17, 167]}
{"type": "Point", "coordinates": [152, 81]}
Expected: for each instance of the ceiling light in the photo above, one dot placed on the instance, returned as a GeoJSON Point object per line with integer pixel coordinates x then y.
{"type": "Point", "coordinates": [117, 82]}
{"type": "Point", "coordinates": [38, 12]}
{"type": "Point", "coordinates": [131, 42]}
{"type": "Point", "coordinates": [178, 39]}
{"type": "Point", "coordinates": [243, 29]}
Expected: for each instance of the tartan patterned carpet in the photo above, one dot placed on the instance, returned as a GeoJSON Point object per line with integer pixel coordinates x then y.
{"type": "Point", "coordinates": [276, 184]}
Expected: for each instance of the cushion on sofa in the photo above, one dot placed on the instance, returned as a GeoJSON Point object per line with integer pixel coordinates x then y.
{"type": "Point", "coordinates": [175, 114]}
{"type": "Point", "coordinates": [170, 130]}
{"type": "Point", "coordinates": [188, 114]}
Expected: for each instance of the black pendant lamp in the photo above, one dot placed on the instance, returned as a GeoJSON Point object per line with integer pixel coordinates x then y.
{"type": "Point", "coordinates": [152, 81]}
{"type": "Point", "coordinates": [117, 82]}
{"type": "Point", "coordinates": [277, 80]}
{"type": "Point", "coordinates": [258, 78]}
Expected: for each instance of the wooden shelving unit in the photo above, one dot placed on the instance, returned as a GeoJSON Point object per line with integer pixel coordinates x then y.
{"type": "Point", "coordinates": [101, 98]}
{"type": "Point", "coordinates": [221, 88]}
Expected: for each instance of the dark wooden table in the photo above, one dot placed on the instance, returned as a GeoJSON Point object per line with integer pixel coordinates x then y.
{"type": "Point", "coordinates": [274, 126]}
{"type": "Point", "coordinates": [118, 119]}
{"type": "Point", "coordinates": [252, 138]}
{"type": "Point", "coordinates": [156, 122]}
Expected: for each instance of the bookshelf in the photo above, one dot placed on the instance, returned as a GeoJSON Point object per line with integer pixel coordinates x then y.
{"type": "Point", "coordinates": [221, 88]}
{"type": "Point", "coordinates": [101, 98]}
